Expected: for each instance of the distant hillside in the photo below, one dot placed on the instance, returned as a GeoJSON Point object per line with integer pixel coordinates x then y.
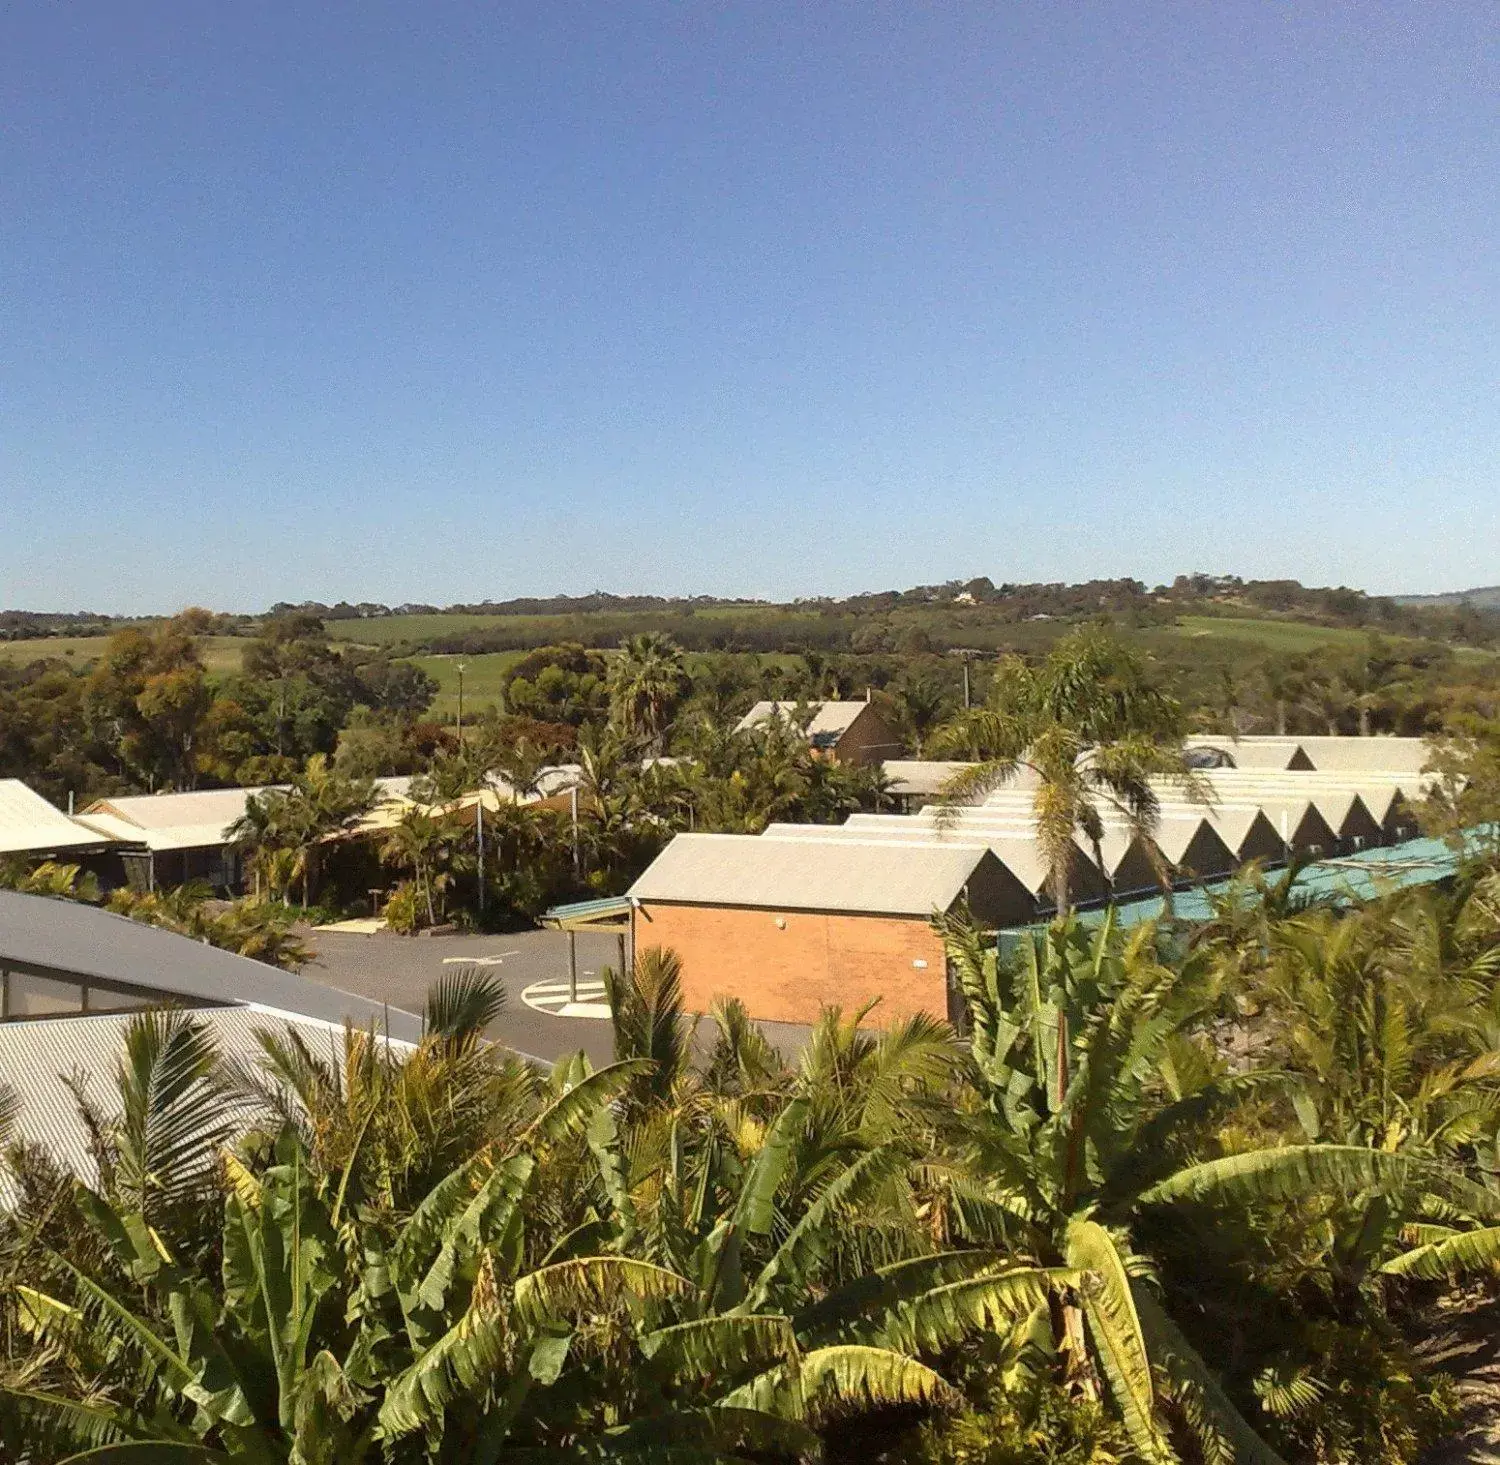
{"type": "Point", "coordinates": [1486, 597]}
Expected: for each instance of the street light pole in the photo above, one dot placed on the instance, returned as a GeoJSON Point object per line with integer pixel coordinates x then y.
{"type": "Point", "coordinates": [460, 667]}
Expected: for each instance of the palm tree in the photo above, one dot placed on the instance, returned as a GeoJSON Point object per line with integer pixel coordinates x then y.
{"type": "Point", "coordinates": [646, 682]}
{"type": "Point", "coordinates": [645, 1007]}
{"type": "Point", "coordinates": [321, 804]}
{"type": "Point", "coordinates": [417, 843]}
{"type": "Point", "coordinates": [522, 765]}
{"type": "Point", "coordinates": [1091, 730]}
{"type": "Point", "coordinates": [919, 702]}
{"type": "Point", "coordinates": [323, 1325]}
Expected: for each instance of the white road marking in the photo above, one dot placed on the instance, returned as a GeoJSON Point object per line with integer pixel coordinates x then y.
{"type": "Point", "coordinates": [478, 960]}
{"type": "Point", "coordinates": [560, 999]}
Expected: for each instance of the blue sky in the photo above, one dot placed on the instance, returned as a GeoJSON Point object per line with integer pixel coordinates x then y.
{"type": "Point", "coordinates": [464, 299]}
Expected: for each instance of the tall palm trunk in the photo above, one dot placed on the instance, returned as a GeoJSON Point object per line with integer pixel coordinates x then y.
{"type": "Point", "coordinates": [423, 877]}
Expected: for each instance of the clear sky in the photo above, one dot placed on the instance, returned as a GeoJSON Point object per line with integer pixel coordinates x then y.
{"type": "Point", "coordinates": [457, 299]}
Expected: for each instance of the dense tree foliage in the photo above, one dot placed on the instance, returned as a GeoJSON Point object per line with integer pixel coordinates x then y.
{"type": "Point", "coordinates": [1184, 1196]}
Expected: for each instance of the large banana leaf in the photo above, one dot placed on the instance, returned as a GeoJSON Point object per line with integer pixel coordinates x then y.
{"type": "Point", "coordinates": [847, 1373]}
{"type": "Point", "coordinates": [1292, 1172]}
{"type": "Point", "coordinates": [470, 1355]}
{"type": "Point", "coordinates": [754, 1211]}
{"type": "Point", "coordinates": [1468, 1251]}
{"type": "Point", "coordinates": [995, 1303]}
{"type": "Point", "coordinates": [809, 1238]}
{"type": "Point", "coordinates": [1114, 1329]}
{"type": "Point", "coordinates": [594, 1284]}
{"type": "Point", "coordinates": [571, 1112]}
{"type": "Point", "coordinates": [724, 1345]}
{"type": "Point", "coordinates": [149, 1452]}
{"type": "Point", "coordinates": [868, 1298]}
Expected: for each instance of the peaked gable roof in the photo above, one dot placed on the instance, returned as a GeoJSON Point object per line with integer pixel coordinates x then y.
{"type": "Point", "coordinates": [30, 825]}
{"type": "Point", "coordinates": [830, 720]}
{"type": "Point", "coordinates": [871, 877]}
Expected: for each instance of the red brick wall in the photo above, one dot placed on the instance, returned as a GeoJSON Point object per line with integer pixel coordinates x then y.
{"type": "Point", "coordinates": [787, 973]}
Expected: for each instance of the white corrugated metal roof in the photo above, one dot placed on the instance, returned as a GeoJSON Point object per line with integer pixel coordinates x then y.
{"type": "Point", "coordinates": [1119, 843]}
{"type": "Point", "coordinates": [1370, 755]}
{"type": "Point", "coordinates": [874, 877]}
{"type": "Point", "coordinates": [920, 776]}
{"type": "Point", "coordinates": [1014, 847]}
{"type": "Point", "coordinates": [70, 938]}
{"type": "Point", "coordinates": [196, 820]}
{"type": "Point", "coordinates": [36, 1056]}
{"type": "Point", "coordinates": [30, 825]}
{"type": "Point", "coordinates": [828, 718]}
{"type": "Point", "coordinates": [1268, 753]}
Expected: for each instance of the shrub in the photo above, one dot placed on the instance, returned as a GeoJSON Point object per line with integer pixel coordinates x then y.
{"type": "Point", "coordinates": [403, 911]}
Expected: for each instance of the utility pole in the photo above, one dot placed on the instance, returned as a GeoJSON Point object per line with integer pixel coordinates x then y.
{"type": "Point", "coordinates": [966, 683]}
{"type": "Point", "coordinates": [460, 667]}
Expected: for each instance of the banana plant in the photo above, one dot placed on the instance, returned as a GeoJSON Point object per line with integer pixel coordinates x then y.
{"type": "Point", "coordinates": [1085, 1127]}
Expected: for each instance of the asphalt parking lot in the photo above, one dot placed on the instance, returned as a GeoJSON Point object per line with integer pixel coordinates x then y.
{"type": "Point", "coordinates": [399, 970]}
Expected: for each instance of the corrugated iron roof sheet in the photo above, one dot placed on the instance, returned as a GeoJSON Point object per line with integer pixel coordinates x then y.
{"type": "Point", "coordinates": [1349, 879]}
{"type": "Point", "coordinates": [65, 936]}
{"type": "Point", "coordinates": [1370, 755]}
{"type": "Point", "coordinates": [37, 1056]}
{"type": "Point", "coordinates": [920, 776]}
{"type": "Point", "coordinates": [874, 877]}
{"type": "Point", "coordinates": [196, 820]}
{"type": "Point", "coordinates": [829, 719]}
{"type": "Point", "coordinates": [1014, 847]}
{"type": "Point", "coordinates": [30, 825]}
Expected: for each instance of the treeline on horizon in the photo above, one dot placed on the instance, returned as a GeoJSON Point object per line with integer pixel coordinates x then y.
{"type": "Point", "coordinates": [958, 614]}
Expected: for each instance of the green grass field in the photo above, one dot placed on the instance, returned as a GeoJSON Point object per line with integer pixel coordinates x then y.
{"type": "Point", "coordinates": [1289, 636]}
{"type": "Point", "coordinates": [394, 630]}
{"type": "Point", "coordinates": [401, 629]}
{"type": "Point", "coordinates": [484, 676]}
{"type": "Point", "coordinates": [221, 654]}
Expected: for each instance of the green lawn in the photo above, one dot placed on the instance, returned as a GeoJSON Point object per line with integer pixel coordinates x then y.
{"type": "Point", "coordinates": [1272, 635]}
{"type": "Point", "coordinates": [221, 654]}
{"type": "Point", "coordinates": [484, 676]}
{"type": "Point", "coordinates": [393, 630]}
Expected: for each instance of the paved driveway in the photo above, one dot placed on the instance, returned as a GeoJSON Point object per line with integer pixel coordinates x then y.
{"type": "Point", "coordinates": [400, 969]}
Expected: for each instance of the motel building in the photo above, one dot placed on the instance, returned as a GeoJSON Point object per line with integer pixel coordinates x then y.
{"type": "Point", "coordinates": [791, 926]}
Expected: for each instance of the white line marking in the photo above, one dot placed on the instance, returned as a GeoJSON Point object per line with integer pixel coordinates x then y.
{"type": "Point", "coordinates": [478, 960]}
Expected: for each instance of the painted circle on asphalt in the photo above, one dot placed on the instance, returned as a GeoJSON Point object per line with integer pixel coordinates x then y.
{"type": "Point", "coordinates": [556, 999]}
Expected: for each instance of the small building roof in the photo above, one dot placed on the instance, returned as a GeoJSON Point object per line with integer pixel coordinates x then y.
{"type": "Point", "coordinates": [830, 720]}
{"type": "Point", "coordinates": [868, 877]}
{"type": "Point", "coordinates": [1014, 846]}
{"type": "Point", "coordinates": [196, 820]}
{"type": "Point", "coordinates": [67, 938]}
{"type": "Point", "coordinates": [30, 825]}
{"type": "Point", "coordinates": [1365, 755]}
{"type": "Point", "coordinates": [1265, 753]}
{"type": "Point", "coordinates": [918, 776]}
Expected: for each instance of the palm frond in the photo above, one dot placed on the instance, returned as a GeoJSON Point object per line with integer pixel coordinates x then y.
{"type": "Point", "coordinates": [174, 1120]}
{"type": "Point", "coordinates": [461, 1004]}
